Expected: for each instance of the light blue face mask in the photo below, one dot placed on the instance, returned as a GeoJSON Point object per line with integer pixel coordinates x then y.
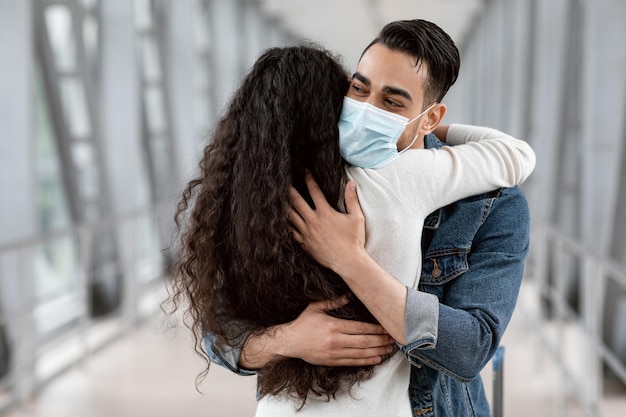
{"type": "Point", "coordinates": [368, 136]}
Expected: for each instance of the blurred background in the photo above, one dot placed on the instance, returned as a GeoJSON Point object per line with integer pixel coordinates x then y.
{"type": "Point", "coordinates": [105, 106]}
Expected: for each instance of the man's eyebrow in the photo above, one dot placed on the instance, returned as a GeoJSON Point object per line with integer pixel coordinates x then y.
{"type": "Point", "coordinates": [387, 89]}
{"type": "Point", "coordinates": [398, 92]}
{"type": "Point", "coordinates": [362, 78]}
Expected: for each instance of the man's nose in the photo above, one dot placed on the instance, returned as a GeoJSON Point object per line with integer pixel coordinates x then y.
{"type": "Point", "coordinates": [374, 101]}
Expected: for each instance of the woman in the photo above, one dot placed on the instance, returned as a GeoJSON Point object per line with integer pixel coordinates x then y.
{"type": "Point", "coordinates": [238, 260]}
{"type": "Point", "coordinates": [236, 249]}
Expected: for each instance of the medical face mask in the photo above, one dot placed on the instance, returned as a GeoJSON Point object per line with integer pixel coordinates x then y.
{"type": "Point", "coordinates": [368, 136]}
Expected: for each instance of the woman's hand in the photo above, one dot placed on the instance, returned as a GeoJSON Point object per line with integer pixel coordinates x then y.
{"type": "Point", "coordinates": [329, 236]}
{"type": "Point", "coordinates": [337, 241]}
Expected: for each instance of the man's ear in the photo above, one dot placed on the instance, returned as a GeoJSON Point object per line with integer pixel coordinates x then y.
{"type": "Point", "coordinates": [433, 118]}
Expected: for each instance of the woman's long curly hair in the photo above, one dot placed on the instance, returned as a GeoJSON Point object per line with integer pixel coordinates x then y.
{"type": "Point", "coordinates": [237, 261]}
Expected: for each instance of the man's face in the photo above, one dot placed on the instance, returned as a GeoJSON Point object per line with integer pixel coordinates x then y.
{"type": "Point", "coordinates": [391, 81]}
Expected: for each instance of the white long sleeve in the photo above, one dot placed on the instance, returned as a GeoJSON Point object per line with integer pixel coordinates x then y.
{"type": "Point", "coordinates": [397, 198]}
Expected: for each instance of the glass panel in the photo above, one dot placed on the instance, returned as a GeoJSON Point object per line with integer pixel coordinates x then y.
{"type": "Point", "coordinates": [203, 35]}
{"type": "Point", "coordinates": [154, 110]}
{"type": "Point", "coordinates": [159, 148]}
{"type": "Point", "coordinates": [75, 107]}
{"type": "Point", "coordinates": [83, 155]}
{"type": "Point", "coordinates": [90, 37]}
{"type": "Point", "coordinates": [201, 75]}
{"type": "Point", "coordinates": [143, 14]}
{"type": "Point", "coordinates": [91, 210]}
{"type": "Point", "coordinates": [151, 63]}
{"type": "Point", "coordinates": [52, 208]}
{"type": "Point", "coordinates": [55, 269]}
{"type": "Point", "coordinates": [160, 153]}
{"type": "Point", "coordinates": [55, 262]}
{"type": "Point", "coordinates": [59, 25]}
{"type": "Point", "coordinates": [143, 245]}
{"type": "Point", "coordinates": [202, 113]}
{"type": "Point", "coordinates": [89, 4]}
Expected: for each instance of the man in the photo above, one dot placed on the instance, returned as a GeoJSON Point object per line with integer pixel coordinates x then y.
{"type": "Point", "coordinates": [473, 252]}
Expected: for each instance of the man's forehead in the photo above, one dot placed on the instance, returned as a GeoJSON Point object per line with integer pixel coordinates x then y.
{"type": "Point", "coordinates": [391, 60]}
{"type": "Point", "coordinates": [384, 68]}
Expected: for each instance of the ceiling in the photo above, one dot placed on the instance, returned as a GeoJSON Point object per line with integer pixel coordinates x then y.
{"type": "Point", "coordinates": [347, 26]}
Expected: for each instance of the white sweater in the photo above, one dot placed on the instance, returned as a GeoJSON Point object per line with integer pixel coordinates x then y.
{"type": "Point", "coordinates": [395, 200]}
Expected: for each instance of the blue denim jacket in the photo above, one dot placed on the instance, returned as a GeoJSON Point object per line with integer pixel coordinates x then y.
{"type": "Point", "coordinates": [474, 253]}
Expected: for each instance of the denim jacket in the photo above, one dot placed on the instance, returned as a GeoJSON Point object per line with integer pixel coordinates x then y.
{"type": "Point", "coordinates": [474, 253]}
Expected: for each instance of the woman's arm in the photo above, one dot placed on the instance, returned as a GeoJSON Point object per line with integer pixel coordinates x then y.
{"type": "Point", "coordinates": [486, 159]}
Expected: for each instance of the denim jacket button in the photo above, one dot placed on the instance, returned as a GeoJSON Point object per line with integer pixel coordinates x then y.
{"type": "Point", "coordinates": [436, 271]}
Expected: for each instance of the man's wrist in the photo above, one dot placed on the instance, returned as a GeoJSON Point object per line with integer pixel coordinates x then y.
{"type": "Point", "coordinates": [264, 347]}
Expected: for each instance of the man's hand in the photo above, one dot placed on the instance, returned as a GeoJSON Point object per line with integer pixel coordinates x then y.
{"type": "Point", "coordinates": [319, 339]}
{"type": "Point", "coordinates": [330, 237]}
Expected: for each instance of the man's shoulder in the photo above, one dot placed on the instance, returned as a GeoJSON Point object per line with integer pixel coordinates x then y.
{"type": "Point", "coordinates": [508, 200]}
{"type": "Point", "coordinates": [496, 205]}
{"type": "Point", "coordinates": [500, 209]}
{"type": "Point", "coordinates": [431, 142]}
{"type": "Point", "coordinates": [513, 198]}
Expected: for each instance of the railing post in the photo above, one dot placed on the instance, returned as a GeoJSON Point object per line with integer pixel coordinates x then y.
{"type": "Point", "coordinates": [539, 247]}
{"type": "Point", "coordinates": [126, 231]}
{"type": "Point", "coordinates": [498, 382]}
{"type": "Point", "coordinates": [25, 381]}
{"type": "Point", "coordinates": [558, 298]}
{"type": "Point", "coordinates": [593, 284]}
{"type": "Point", "coordinates": [83, 236]}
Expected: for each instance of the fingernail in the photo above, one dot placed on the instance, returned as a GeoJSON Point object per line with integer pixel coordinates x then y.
{"type": "Point", "coordinates": [352, 186]}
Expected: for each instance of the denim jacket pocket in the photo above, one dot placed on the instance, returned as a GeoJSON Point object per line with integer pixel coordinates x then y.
{"type": "Point", "coordinates": [442, 266]}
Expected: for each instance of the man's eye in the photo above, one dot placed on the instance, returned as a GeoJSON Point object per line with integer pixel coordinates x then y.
{"type": "Point", "coordinates": [357, 89]}
{"type": "Point", "coordinates": [393, 103]}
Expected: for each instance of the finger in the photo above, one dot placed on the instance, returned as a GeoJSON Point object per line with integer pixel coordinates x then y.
{"type": "Point", "coordinates": [374, 360]}
{"type": "Point", "coordinates": [296, 220]}
{"type": "Point", "coordinates": [319, 199]}
{"type": "Point", "coordinates": [328, 305]}
{"type": "Point", "coordinates": [353, 327]}
{"type": "Point", "coordinates": [297, 236]}
{"type": "Point", "coordinates": [300, 205]}
{"type": "Point", "coordinates": [359, 353]}
{"type": "Point", "coordinates": [349, 327]}
{"type": "Point", "coordinates": [352, 199]}
{"type": "Point", "coordinates": [357, 356]}
{"type": "Point", "coordinates": [370, 344]}
{"type": "Point", "coordinates": [336, 303]}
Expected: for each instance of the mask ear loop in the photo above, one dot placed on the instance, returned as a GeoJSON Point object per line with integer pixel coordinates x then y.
{"type": "Point", "coordinates": [421, 114]}
{"type": "Point", "coordinates": [411, 121]}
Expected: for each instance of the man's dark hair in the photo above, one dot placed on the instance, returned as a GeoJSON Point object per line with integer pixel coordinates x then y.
{"type": "Point", "coordinates": [428, 44]}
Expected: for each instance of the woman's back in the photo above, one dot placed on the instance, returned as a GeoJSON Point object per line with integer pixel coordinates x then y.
{"type": "Point", "coordinates": [237, 258]}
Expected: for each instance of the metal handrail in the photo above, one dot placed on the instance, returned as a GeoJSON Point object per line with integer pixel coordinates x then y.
{"type": "Point", "coordinates": [23, 380]}
{"type": "Point", "coordinates": [594, 272]}
{"type": "Point", "coordinates": [72, 230]}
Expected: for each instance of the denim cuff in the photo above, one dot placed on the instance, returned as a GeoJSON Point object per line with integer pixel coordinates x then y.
{"type": "Point", "coordinates": [421, 320]}
{"type": "Point", "coordinates": [224, 355]}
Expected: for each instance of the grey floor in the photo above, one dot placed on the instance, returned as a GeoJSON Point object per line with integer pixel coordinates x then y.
{"type": "Point", "coordinates": [151, 373]}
